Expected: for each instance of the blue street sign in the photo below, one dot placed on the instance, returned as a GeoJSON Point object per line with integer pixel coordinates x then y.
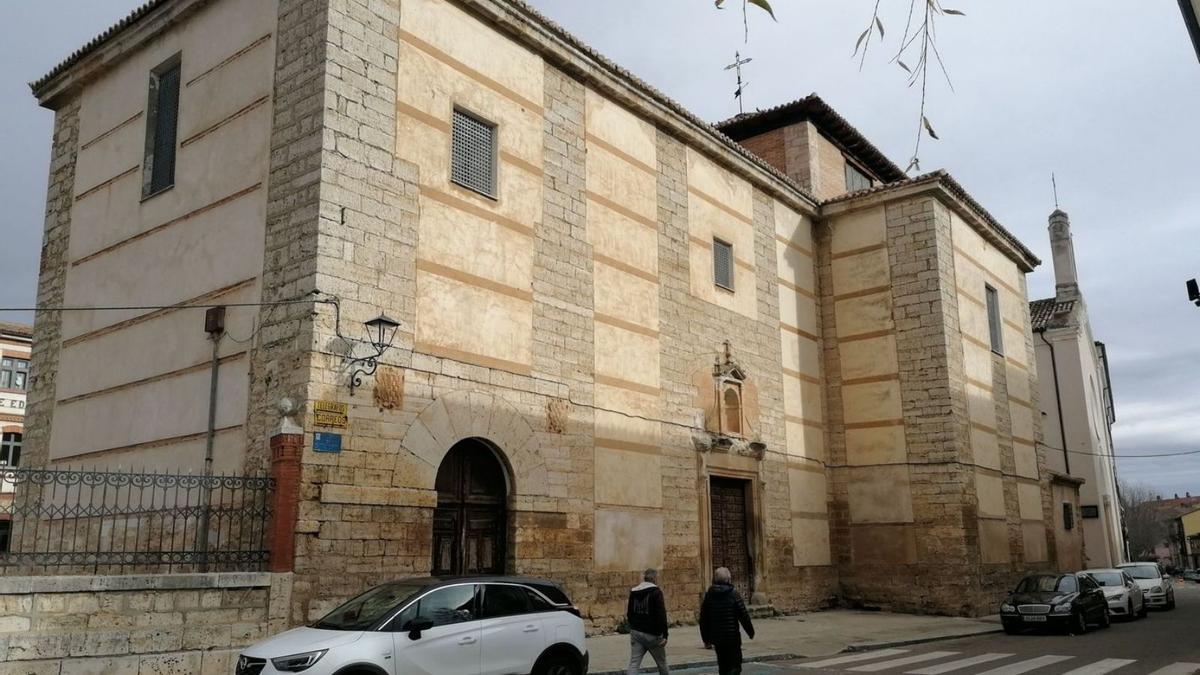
{"type": "Point", "coordinates": [326, 442]}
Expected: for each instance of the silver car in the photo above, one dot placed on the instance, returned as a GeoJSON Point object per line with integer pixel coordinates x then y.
{"type": "Point", "coordinates": [1124, 595]}
{"type": "Point", "coordinates": [1158, 587]}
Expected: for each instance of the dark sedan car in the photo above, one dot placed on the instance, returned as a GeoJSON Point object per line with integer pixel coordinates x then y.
{"type": "Point", "coordinates": [1062, 601]}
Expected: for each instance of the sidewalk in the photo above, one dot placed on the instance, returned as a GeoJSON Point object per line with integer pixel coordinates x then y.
{"type": "Point", "coordinates": [802, 635]}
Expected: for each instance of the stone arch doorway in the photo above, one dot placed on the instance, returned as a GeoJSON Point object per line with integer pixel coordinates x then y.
{"type": "Point", "coordinates": [470, 522]}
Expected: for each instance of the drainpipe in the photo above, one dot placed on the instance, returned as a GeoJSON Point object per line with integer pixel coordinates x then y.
{"type": "Point", "coordinates": [214, 325]}
{"type": "Point", "coordinates": [1062, 424]}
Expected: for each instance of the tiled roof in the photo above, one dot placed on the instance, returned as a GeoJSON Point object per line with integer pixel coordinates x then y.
{"type": "Point", "coordinates": [19, 329]}
{"type": "Point", "coordinates": [958, 191]}
{"type": "Point", "coordinates": [813, 108]}
{"type": "Point", "coordinates": [95, 42]}
{"type": "Point", "coordinates": [1043, 312]}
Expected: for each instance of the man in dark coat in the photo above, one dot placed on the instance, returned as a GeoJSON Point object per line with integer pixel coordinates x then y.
{"type": "Point", "coordinates": [647, 617]}
{"type": "Point", "coordinates": [720, 614]}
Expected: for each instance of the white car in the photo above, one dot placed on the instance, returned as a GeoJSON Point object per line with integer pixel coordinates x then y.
{"type": "Point", "coordinates": [1158, 587]}
{"type": "Point", "coordinates": [463, 626]}
{"type": "Point", "coordinates": [1125, 597]}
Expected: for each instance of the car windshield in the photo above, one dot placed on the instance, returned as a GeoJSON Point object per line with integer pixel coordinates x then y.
{"type": "Point", "coordinates": [1142, 571]}
{"type": "Point", "coordinates": [364, 611]}
{"type": "Point", "coordinates": [1047, 583]}
{"type": "Point", "coordinates": [1108, 578]}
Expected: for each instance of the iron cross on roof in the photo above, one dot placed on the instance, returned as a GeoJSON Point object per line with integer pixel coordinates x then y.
{"type": "Point", "coordinates": [737, 64]}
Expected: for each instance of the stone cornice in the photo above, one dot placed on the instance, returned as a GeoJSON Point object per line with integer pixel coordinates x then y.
{"type": "Point", "coordinates": [941, 186]}
{"type": "Point", "coordinates": [110, 48]}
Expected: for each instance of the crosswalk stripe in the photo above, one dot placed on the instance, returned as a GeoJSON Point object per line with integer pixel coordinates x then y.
{"type": "Point", "coordinates": [1178, 669]}
{"type": "Point", "coordinates": [853, 658]}
{"type": "Point", "coordinates": [1100, 667]}
{"type": "Point", "coordinates": [903, 661]}
{"type": "Point", "coordinates": [959, 664]}
{"type": "Point", "coordinates": [1027, 665]}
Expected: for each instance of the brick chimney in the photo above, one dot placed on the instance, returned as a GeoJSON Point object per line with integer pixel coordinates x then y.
{"type": "Point", "coordinates": [1066, 278]}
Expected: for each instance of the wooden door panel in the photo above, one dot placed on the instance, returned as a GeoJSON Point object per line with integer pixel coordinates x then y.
{"type": "Point", "coordinates": [730, 538]}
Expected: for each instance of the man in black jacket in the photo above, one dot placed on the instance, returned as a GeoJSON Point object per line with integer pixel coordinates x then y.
{"type": "Point", "coordinates": [647, 617]}
{"type": "Point", "coordinates": [720, 614]}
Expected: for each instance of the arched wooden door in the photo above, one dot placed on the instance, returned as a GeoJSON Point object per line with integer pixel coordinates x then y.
{"type": "Point", "coordinates": [471, 520]}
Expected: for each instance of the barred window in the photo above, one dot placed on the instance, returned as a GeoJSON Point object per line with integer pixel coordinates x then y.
{"type": "Point", "coordinates": [10, 449]}
{"type": "Point", "coordinates": [162, 126]}
{"type": "Point", "coordinates": [473, 153]}
{"type": "Point", "coordinates": [994, 327]}
{"type": "Point", "coordinates": [855, 179]}
{"type": "Point", "coordinates": [723, 264]}
{"type": "Point", "coordinates": [1068, 516]}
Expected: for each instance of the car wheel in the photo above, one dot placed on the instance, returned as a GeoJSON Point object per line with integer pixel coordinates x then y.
{"type": "Point", "coordinates": [1105, 619]}
{"type": "Point", "coordinates": [1171, 601]}
{"type": "Point", "coordinates": [1129, 611]}
{"type": "Point", "coordinates": [1145, 610]}
{"type": "Point", "coordinates": [559, 664]}
{"type": "Point", "coordinates": [1078, 623]}
{"type": "Point", "coordinates": [1011, 628]}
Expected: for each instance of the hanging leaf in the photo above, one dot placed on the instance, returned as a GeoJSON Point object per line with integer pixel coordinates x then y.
{"type": "Point", "coordinates": [764, 4]}
{"type": "Point", "coordinates": [905, 67]}
{"type": "Point", "coordinates": [955, 12]}
{"type": "Point", "coordinates": [880, 25]}
{"type": "Point", "coordinates": [858, 45]}
{"type": "Point", "coordinates": [913, 164]}
{"type": "Point", "coordinates": [929, 128]}
{"type": "Point", "coordinates": [718, 3]}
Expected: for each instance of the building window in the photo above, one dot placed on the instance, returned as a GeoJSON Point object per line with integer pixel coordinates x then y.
{"type": "Point", "coordinates": [473, 153]}
{"type": "Point", "coordinates": [723, 264]}
{"type": "Point", "coordinates": [5, 535]}
{"type": "Point", "coordinates": [1068, 516]}
{"type": "Point", "coordinates": [14, 373]}
{"type": "Point", "coordinates": [855, 179]}
{"type": "Point", "coordinates": [162, 126]}
{"type": "Point", "coordinates": [994, 326]}
{"type": "Point", "coordinates": [10, 449]}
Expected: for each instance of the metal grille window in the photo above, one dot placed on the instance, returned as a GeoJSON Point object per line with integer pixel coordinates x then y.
{"type": "Point", "coordinates": [10, 449]}
{"type": "Point", "coordinates": [14, 373]}
{"type": "Point", "coordinates": [473, 154]}
{"type": "Point", "coordinates": [1068, 516]}
{"type": "Point", "coordinates": [162, 122]}
{"type": "Point", "coordinates": [855, 179]}
{"type": "Point", "coordinates": [723, 264]}
{"type": "Point", "coordinates": [995, 328]}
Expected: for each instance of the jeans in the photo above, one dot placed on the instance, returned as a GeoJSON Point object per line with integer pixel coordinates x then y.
{"type": "Point", "coordinates": [639, 644]}
{"type": "Point", "coordinates": [729, 657]}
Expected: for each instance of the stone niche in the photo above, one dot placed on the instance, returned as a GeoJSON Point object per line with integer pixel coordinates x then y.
{"type": "Point", "coordinates": [729, 401]}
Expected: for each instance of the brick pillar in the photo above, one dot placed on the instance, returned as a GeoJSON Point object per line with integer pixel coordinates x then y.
{"type": "Point", "coordinates": [285, 500]}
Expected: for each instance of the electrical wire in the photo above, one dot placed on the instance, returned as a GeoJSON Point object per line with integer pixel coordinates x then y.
{"type": "Point", "coordinates": [157, 307]}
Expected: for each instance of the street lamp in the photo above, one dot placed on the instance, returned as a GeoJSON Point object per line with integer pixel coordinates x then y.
{"type": "Point", "coordinates": [380, 332]}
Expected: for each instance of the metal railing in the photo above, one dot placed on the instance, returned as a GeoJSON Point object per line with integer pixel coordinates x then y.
{"type": "Point", "coordinates": [60, 521]}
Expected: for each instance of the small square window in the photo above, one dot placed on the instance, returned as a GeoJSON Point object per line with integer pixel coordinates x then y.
{"type": "Point", "coordinates": [723, 264]}
{"type": "Point", "coordinates": [995, 327]}
{"type": "Point", "coordinates": [855, 179]}
{"type": "Point", "coordinates": [473, 153]}
{"type": "Point", "coordinates": [162, 127]}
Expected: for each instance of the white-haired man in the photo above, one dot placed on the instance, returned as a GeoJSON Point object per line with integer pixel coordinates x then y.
{"type": "Point", "coordinates": [720, 615]}
{"type": "Point", "coordinates": [647, 618]}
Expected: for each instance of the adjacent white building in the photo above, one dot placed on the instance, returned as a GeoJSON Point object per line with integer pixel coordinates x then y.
{"type": "Point", "coordinates": [1075, 397]}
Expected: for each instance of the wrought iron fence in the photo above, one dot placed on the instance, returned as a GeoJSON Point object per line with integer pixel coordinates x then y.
{"type": "Point", "coordinates": [121, 522]}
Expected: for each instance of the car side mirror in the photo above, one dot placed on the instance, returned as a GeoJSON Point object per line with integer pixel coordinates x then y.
{"type": "Point", "coordinates": [416, 626]}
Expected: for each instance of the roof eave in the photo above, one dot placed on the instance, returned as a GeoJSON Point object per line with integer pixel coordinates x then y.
{"type": "Point", "coordinates": [949, 192]}
{"type": "Point", "coordinates": [109, 48]}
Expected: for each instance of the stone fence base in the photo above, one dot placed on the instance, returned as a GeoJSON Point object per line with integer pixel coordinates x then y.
{"type": "Point", "coordinates": [164, 624]}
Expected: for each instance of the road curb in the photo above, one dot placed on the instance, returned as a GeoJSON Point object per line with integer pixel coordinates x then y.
{"type": "Point", "coordinates": [768, 658]}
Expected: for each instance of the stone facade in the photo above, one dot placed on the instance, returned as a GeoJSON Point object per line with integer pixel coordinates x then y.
{"type": "Point", "coordinates": [122, 625]}
{"type": "Point", "coordinates": [807, 422]}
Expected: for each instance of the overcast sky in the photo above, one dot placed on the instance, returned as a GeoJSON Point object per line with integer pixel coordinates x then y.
{"type": "Point", "coordinates": [1104, 94]}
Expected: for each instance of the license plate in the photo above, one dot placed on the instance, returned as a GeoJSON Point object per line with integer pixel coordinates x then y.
{"type": "Point", "coordinates": [1035, 618]}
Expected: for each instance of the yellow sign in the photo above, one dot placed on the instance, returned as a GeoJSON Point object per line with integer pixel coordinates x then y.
{"type": "Point", "coordinates": [331, 414]}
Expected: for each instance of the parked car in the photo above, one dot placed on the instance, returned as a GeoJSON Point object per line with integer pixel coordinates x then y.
{"type": "Point", "coordinates": [1158, 587]}
{"type": "Point", "coordinates": [1063, 601]}
{"type": "Point", "coordinates": [455, 626]}
{"type": "Point", "coordinates": [1125, 597]}
{"type": "Point", "coordinates": [1191, 575]}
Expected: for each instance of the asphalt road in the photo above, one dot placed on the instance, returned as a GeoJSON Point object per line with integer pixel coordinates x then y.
{"type": "Point", "coordinates": [1164, 643]}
